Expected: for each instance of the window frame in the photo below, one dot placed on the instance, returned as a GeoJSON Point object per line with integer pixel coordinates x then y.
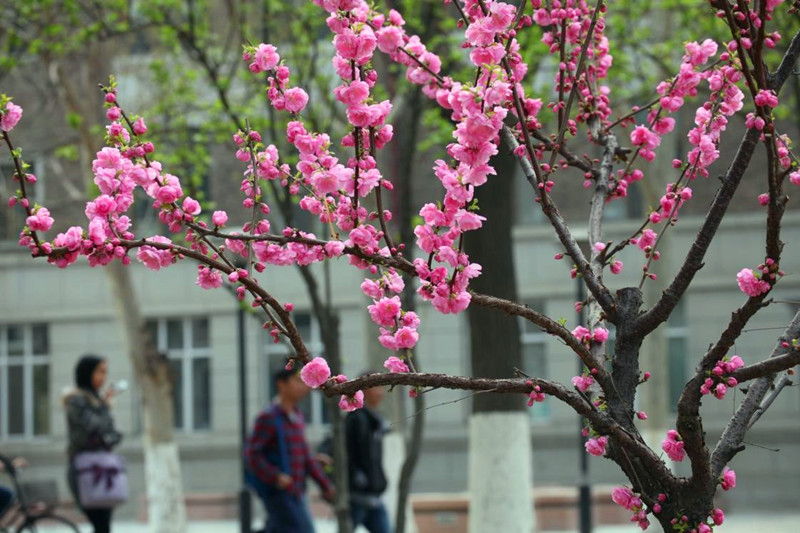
{"type": "Point", "coordinates": [187, 354]}
{"type": "Point", "coordinates": [28, 361]}
{"type": "Point", "coordinates": [530, 334]}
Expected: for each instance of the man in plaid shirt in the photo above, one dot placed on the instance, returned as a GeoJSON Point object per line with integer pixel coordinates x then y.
{"type": "Point", "coordinates": [278, 460]}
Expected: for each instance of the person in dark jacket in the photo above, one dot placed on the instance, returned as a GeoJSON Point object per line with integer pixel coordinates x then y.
{"type": "Point", "coordinates": [278, 460]}
{"type": "Point", "coordinates": [90, 426]}
{"type": "Point", "coordinates": [364, 430]}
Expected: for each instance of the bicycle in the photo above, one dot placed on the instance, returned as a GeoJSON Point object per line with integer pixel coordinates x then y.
{"type": "Point", "coordinates": [28, 516]}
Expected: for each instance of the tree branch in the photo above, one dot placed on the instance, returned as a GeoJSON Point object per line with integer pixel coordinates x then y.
{"type": "Point", "coordinates": [730, 443]}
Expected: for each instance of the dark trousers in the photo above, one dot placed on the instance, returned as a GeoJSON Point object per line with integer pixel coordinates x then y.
{"type": "Point", "coordinates": [286, 513]}
{"type": "Point", "coordinates": [374, 518]}
{"type": "Point", "coordinates": [6, 497]}
{"type": "Point", "coordinates": [99, 518]}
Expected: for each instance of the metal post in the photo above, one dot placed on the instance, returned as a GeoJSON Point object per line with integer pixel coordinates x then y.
{"type": "Point", "coordinates": [245, 515]}
{"type": "Point", "coordinates": [585, 494]}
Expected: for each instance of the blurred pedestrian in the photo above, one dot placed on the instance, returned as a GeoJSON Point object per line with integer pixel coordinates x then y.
{"type": "Point", "coordinates": [90, 427]}
{"type": "Point", "coordinates": [364, 429]}
{"type": "Point", "coordinates": [278, 460]}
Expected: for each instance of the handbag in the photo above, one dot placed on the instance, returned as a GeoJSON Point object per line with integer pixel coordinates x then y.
{"type": "Point", "coordinates": [102, 481]}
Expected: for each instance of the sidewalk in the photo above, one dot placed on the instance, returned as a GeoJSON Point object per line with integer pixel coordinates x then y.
{"type": "Point", "coordinates": [735, 523]}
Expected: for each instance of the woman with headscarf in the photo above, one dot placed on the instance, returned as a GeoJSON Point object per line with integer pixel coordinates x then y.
{"type": "Point", "coordinates": [90, 426]}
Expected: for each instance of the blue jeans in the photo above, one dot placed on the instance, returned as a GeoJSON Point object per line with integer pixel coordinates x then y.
{"type": "Point", "coordinates": [6, 497]}
{"type": "Point", "coordinates": [374, 518]}
{"type": "Point", "coordinates": [286, 513]}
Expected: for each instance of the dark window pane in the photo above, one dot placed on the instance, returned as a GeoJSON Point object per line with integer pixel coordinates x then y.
{"type": "Point", "coordinates": [152, 330]}
{"type": "Point", "coordinates": [200, 333]}
{"type": "Point", "coordinates": [303, 323]}
{"type": "Point", "coordinates": [16, 401]}
{"type": "Point", "coordinates": [16, 342]}
{"type": "Point", "coordinates": [677, 369]}
{"type": "Point", "coordinates": [41, 342]}
{"type": "Point", "coordinates": [41, 400]}
{"type": "Point", "coordinates": [177, 391]}
{"type": "Point", "coordinates": [201, 390]}
{"type": "Point", "coordinates": [174, 334]}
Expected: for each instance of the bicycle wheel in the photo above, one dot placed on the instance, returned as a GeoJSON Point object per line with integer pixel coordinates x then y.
{"type": "Point", "coordinates": [48, 523]}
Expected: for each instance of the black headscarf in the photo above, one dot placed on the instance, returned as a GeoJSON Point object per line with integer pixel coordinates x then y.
{"type": "Point", "coordinates": [84, 370]}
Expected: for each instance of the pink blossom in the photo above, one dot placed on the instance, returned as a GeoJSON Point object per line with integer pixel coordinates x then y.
{"type": "Point", "coordinates": [406, 338]}
{"type": "Point", "coordinates": [356, 46]}
{"type": "Point", "coordinates": [385, 311]}
{"type": "Point", "coordinates": [581, 333]}
{"type": "Point", "coordinates": [390, 39]}
{"type": "Point", "coordinates": [623, 496]}
{"type": "Point", "coordinates": [208, 278]}
{"type": "Point", "coordinates": [750, 284]}
{"type": "Point", "coordinates": [673, 446]}
{"type": "Point", "coordinates": [155, 258]}
{"type": "Point", "coordinates": [296, 99]}
{"type": "Point", "coordinates": [616, 267]}
{"type": "Point", "coordinates": [139, 127]}
{"type": "Point", "coordinates": [191, 206]}
{"type": "Point", "coordinates": [351, 403]}
{"type": "Point", "coordinates": [582, 383]}
{"type": "Point", "coordinates": [10, 117]}
{"type": "Point", "coordinates": [40, 220]}
{"type": "Point", "coordinates": [71, 240]}
{"type": "Point", "coordinates": [352, 94]}
{"type": "Point", "coordinates": [697, 54]}
{"type": "Point", "coordinates": [334, 248]}
{"type": "Point", "coordinates": [718, 516]}
{"type": "Point", "coordinates": [641, 136]}
{"type": "Point", "coordinates": [315, 372]}
{"type": "Point", "coordinates": [766, 98]}
{"type": "Point", "coordinates": [219, 218]}
{"type": "Point", "coordinates": [267, 58]}
{"type": "Point", "coordinates": [648, 239]}
{"type": "Point", "coordinates": [704, 528]}
{"type": "Point", "coordinates": [728, 479]}
{"type": "Point", "coordinates": [600, 334]}
{"type": "Point", "coordinates": [596, 446]}
{"type": "Point", "coordinates": [396, 365]}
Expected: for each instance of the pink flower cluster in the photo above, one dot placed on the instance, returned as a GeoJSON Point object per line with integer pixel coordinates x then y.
{"type": "Point", "coordinates": [728, 479]}
{"type": "Point", "coordinates": [536, 395]}
{"type": "Point", "coordinates": [9, 116]}
{"type": "Point", "coordinates": [757, 282]}
{"type": "Point", "coordinates": [670, 203]}
{"type": "Point", "coordinates": [396, 365]}
{"type": "Point", "coordinates": [567, 24]}
{"type": "Point", "coordinates": [627, 499]}
{"type": "Point", "coordinates": [351, 403]}
{"type": "Point", "coordinates": [719, 378]}
{"type": "Point", "coordinates": [596, 445]}
{"type": "Point", "coordinates": [673, 446]}
{"type": "Point", "coordinates": [315, 373]}
{"type": "Point", "coordinates": [585, 336]}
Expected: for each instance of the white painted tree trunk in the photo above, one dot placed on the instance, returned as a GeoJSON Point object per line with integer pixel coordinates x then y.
{"type": "Point", "coordinates": [165, 506]}
{"type": "Point", "coordinates": [394, 453]}
{"type": "Point", "coordinates": [500, 473]}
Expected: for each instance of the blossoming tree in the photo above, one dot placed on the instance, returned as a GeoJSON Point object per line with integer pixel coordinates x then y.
{"type": "Point", "coordinates": [491, 111]}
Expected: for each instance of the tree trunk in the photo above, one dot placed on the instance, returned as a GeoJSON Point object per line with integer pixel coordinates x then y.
{"type": "Point", "coordinates": [500, 458]}
{"type": "Point", "coordinates": [165, 504]}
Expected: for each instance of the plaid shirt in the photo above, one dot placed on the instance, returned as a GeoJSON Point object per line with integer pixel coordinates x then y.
{"type": "Point", "coordinates": [264, 439]}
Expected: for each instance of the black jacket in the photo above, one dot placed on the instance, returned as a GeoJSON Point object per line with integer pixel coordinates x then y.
{"type": "Point", "coordinates": [364, 431]}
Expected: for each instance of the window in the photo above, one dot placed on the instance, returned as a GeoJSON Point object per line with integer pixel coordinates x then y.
{"type": "Point", "coordinates": [24, 381]}
{"type": "Point", "coordinates": [677, 347]}
{"type": "Point", "coordinates": [534, 358]}
{"type": "Point", "coordinates": [275, 356]}
{"type": "Point", "coordinates": [186, 342]}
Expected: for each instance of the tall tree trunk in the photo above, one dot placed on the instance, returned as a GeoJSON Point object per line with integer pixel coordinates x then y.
{"type": "Point", "coordinates": [500, 458]}
{"type": "Point", "coordinates": [165, 505]}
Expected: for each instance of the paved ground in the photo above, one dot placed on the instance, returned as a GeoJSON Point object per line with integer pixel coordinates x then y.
{"type": "Point", "coordinates": [742, 523]}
